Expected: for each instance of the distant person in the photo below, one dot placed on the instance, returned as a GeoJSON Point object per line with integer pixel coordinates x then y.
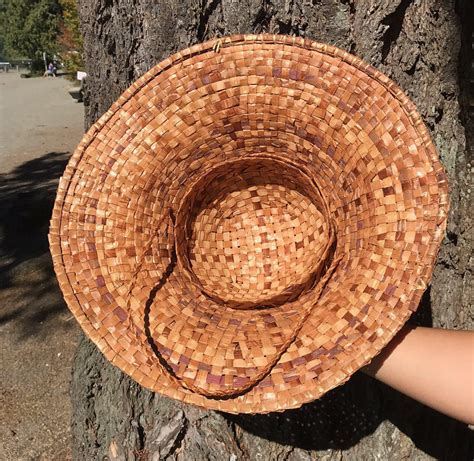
{"type": "Point", "coordinates": [50, 71]}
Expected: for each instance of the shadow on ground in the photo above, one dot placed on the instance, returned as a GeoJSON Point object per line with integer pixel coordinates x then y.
{"type": "Point", "coordinates": [29, 294]}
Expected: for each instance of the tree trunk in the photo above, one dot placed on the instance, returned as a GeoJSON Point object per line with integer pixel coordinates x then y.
{"type": "Point", "coordinates": [421, 44]}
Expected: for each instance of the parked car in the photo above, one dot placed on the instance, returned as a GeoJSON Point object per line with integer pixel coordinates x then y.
{"type": "Point", "coordinates": [5, 66]}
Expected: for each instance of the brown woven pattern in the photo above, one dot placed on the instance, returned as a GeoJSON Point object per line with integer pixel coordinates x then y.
{"type": "Point", "coordinates": [250, 223]}
{"type": "Point", "coordinates": [250, 234]}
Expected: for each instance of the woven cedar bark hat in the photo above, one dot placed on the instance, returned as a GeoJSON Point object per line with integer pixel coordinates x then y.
{"type": "Point", "coordinates": [250, 223]}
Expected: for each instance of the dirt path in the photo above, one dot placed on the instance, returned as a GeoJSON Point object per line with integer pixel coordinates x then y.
{"type": "Point", "coordinates": [40, 124]}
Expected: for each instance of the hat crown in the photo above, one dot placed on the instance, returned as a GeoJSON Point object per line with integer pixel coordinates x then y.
{"type": "Point", "coordinates": [254, 233]}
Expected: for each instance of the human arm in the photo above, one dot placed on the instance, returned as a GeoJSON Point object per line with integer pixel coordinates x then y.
{"type": "Point", "coordinates": [431, 365]}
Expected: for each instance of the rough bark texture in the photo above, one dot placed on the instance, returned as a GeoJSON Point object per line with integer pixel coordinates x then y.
{"type": "Point", "coordinates": [421, 44]}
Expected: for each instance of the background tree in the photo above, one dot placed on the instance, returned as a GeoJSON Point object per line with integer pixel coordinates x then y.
{"type": "Point", "coordinates": [424, 45]}
{"type": "Point", "coordinates": [3, 55]}
{"type": "Point", "coordinates": [29, 28]}
{"type": "Point", "coordinates": [70, 37]}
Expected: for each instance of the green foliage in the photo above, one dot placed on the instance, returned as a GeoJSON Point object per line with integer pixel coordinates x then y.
{"type": "Point", "coordinates": [29, 27]}
{"type": "Point", "coordinates": [3, 54]}
{"type": "Point", "coordinates": [70, 39]}
{"type": "Point", "coordinates": [2, 50]}
{"type": "Point", "coordinates": [71, 33]}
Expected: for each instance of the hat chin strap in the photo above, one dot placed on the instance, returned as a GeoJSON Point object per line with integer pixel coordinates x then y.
{"type": "Point", "coordinates": [231, 392]}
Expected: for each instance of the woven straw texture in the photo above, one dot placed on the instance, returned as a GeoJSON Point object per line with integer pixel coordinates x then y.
{"type": "Point", "coordinates": [250, 223]}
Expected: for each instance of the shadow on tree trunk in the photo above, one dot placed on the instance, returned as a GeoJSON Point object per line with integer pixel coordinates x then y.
{"type": "Point", "coordinates": [347, 414]}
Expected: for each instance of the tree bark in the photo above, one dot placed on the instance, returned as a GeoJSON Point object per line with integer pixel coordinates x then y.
{"type": "Point", "coordinates": [424, 46]}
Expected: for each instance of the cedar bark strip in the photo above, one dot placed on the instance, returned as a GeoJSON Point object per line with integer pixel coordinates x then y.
{"type": "Point", "coordinates": [424, 46]}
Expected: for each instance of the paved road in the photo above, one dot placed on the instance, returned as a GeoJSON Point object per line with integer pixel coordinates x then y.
{"type": "Point", "coordinates": [37, 116]}
{"type": "Point", "coordinates": [40, 124]}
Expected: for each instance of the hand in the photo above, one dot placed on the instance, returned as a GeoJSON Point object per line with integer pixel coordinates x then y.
{"type": "Point", "coordinates": [431, 365]}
